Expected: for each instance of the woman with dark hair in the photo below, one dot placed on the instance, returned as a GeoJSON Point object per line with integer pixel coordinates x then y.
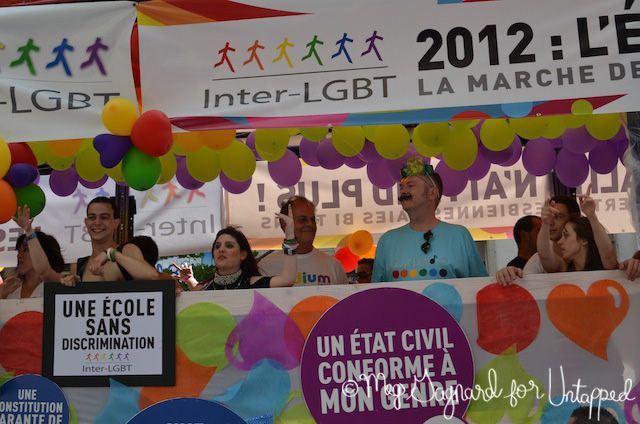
{"type": "Point", "coordinates": [578, 249]}
{"type": "Point", "coordinates": [236, 267]}
{"type": "Point", "coordinates": [27, 282]}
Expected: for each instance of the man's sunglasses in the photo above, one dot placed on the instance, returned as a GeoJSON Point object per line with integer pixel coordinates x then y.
{"type": "Point", "coordinates": [427, 241]}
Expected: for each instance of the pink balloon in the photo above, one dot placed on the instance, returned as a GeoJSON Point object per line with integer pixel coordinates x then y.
{"type": "Point", "coordinates": [287, 170]}
{"type": "Point", "coordinates": [572, 169]}
{"type": "Point", "coordinates": [378, 174]}
{"type": "Point", "coordinates": [235, 187]}
{"type": "Point", "coordinates": [604, 157]}
{"type": "Point", "coordinates": [538, 157]}
{"type": "Point", "coordinates": [309, 152]}
{"type": "Point", "coordinates": [328, 156]}
{"type": "Point", "coordinates": [453, 182]}
{"type": "Point", "coordinates": [64, 183]}
{"type": "Point", "coordinates": [578, 140]}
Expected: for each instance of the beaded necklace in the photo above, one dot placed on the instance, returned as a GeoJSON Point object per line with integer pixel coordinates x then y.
{"type": "Point", "coordinates": [227, 281]}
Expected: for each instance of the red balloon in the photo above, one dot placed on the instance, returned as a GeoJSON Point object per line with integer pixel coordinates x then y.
{"type": "Point", "coordinates": [348, 260]}
{"type": "Point", "coordinates": [21, 153]}
{"type": "Point", "coordinates": [151, 133]}
{"type": "Point", "coordinates": [9, 201]}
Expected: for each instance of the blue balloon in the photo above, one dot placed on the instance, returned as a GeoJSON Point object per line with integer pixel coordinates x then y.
{"type": "Point", "coordinates": [21, 175]}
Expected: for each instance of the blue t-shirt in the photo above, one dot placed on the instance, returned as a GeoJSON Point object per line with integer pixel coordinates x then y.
{"type": "Point", "coordinates": [452, 254]}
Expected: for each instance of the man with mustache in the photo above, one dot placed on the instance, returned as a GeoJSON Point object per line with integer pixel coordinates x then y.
{"type": "Point", "coordinates": [426, 248]}
{"type": "Point", "coordinates": [314, 266]}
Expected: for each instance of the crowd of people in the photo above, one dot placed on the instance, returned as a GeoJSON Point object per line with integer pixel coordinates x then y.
{"type": "Point", "coordinates": [566, 237]}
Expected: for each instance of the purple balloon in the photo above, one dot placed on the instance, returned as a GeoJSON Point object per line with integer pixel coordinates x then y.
{"type": "Point", "coordinates": [287, 170]}
{"type": "Point", "coordinates": [578, 140]}
{"type": "Point", "coordinates": [556, 143]}
{"type": "Point", "coordinates": [235, 187]}
{"type": "Point", "coordinates": [572, 169]}
{"type": "Point", "coordinates": [621, 141]}
{"type": "Point", "coordinates": [251, 143]}
{"type": "Point", "coordinates": [112, 148]}
{"type": "Point", "coordinates": [328, 156]}
{"type": "Point", "coordinates": [515, 151]}
{"type": "Point", "coordinates": [184, 178]}
{"type": "Point", "coordinates": [354, 162]}
{"type": "Point", "coordinates": [308, 152]}
{"type": "Point", "coordinates": [604, 157]}
{"type": "Point", "coordinates": [21, 175]}
{"type": "Point", "coordinates": [539, 157]}
{"type": "Point", "coordinates": [395, 165]}
{"type": "Point", "coordinates": [93, 184]}
{"type": "Point", "coordinates": [453, 182]}
{"type": "Point", "coordinates": [64, 183]}
{"type": "Point", "coordinates": [378, 174]}
{"type": "Point", "coordinates": [369, 152]}
{"type": "Point", "coordinates": [479, 169]}
{"type": "Point", "coordinates": [494, 157]}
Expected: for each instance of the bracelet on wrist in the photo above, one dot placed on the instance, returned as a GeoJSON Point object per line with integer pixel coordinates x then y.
{"type": "Point", "coordinates": [111, 254]}
{"type": "Point", "coordinates": [289, 250]}
{"type": "Point", "coordinates": [31, 236]}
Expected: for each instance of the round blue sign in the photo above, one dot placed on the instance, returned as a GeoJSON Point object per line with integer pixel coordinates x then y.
{"type": "Point", "coordinates": [187, 410]}
{"type": "Point", "coordinates": [34, 399]}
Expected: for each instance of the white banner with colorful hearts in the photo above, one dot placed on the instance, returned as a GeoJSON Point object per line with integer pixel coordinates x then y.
{"type": "Point", "coordinates": [540, 350]}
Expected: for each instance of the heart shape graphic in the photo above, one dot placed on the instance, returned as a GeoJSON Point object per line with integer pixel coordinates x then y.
{"type": "Point", "coordinates": [588, 320]}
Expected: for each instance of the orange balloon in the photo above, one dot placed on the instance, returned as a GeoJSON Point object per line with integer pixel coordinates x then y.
{"type": "Point", "coordinates": [371, 254]}
{"type": "Point", "coordinates": [9, 202]}
{"type": "Point", "coordinates": [188, 141]}
{"type": "Point", "coordinates": [360, 242]}
{"type": "Point", "coordinates": [65, 148]}
{"type": "Point", "coordinates": [218, 140]}
{"type": "Point", "coordinates": [348, 260]}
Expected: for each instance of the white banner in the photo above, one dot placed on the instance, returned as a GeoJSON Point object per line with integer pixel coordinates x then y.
{"type": "Point", "coordinates": [327, 61]}
{"type": "Point", "coordinates": [346, 201]}
{"type": "Point", "coordinates": [178, 220]}
{"type": "Point", "coordinates": [59, 65]}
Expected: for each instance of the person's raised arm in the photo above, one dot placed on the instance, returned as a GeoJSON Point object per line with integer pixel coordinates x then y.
{"type": "Point", "coordinates": [131, 259]}
{"type": "Point", "coordinates": [550, 261]}
{"type": "Point", "coordinates": [606, 249]}
{"type": "Point", "coordinates": [287, 276]}
{"type": "Point", "coordinates": [37, 254]}
{"type": "Point", "coordinates": [185, 273]}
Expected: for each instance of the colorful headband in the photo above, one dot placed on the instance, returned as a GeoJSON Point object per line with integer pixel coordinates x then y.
{"type": "Point", "coordinates": [416, 167]}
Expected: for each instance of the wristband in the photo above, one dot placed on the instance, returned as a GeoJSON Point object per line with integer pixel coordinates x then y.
{"type": "Point", "coordinates": [289, 249]}
{"type": "Point", "coordinates": [31, 236]}
{"type": "Point", "coordinates": [111, 254]}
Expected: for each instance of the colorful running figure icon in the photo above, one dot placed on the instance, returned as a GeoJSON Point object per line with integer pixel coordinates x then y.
{"type": "Point", "coordinates": [283, 52]}
{"type": "Point", "coordinates": [94, 56]}
{"type": "Point", "coordinates": [224, 53]}
{"type": "Point", "coordinates": [25, 56]}
{"type": "Point", "coordinates": [342, 49]}
{"type": "Point", "coordinates": [254, 54]}
{"type": "Point", "coordinates": [312, 49]}
{"type": "Point", "coordinates": [59, 51]}
{"type": "Point", "coordinates": [372, 45]}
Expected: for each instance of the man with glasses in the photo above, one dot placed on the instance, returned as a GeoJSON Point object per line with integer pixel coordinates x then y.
{"type": "Point", "coordinates": [314, 266]}
{"type": "Point", "coordinates": [426, 248]}
{"type": "Point", "coordinates": [364, 271]}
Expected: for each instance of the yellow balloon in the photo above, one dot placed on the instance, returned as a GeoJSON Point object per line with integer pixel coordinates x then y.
{"type": "Point", "coordinates": [462, 149]}
{"type": "Point", "coordinates": [575, 121]}
{"type": "Point", "coordinates": [465, 123]}
{"type": "Point", "coordinates": [360, 242]}
{"type": "Point", "coordinates": [187, 141]}
{"type": "Point", "coordinates": [5, 157]}
{"type": "Point", "coordinates": [554, 126]}
{"type": "Point", "coordinates": [60, 164]}
{"type": "Point", "coordinates": [168, 167]}
{"type": "Point", "coordinates": [119, 115]}
{"type": "Point", "coordinates": [370, 132]}
{"type": "Point", "coordinates": [496, 134]}
{"type": "Point", "coordinates": [528, 128]}
{"type": "Point", "coordinates": [423, 147]}
{"type": "Point", "coordinates": [88, 165]}
{"type": "Point", "coordinates": [219, 139]}
{"type": "Point", "coordinates": [65, 148]}
{"type": "Point", "coordinates": [115, 173]}
{"type": "Point", "coordinates": [348, 141]}
{"type": "Point", "coordinates": [237, 161]}
{"type": "Point", "coordinates": [432, 134]}
{"type": "Point", "coordinates": [40, 150]}
{"type": "Point", "coordinates": [604, 126]}
{"type": "Point", "coordinates": [392, 141]}
{"type": "Point", "coordinates": [293, 131]}
{"type": "Point", "coordinates": [314, 134]}
{"type": "Point", "coordinates": [204, 165]}
{"type": "Point", "coordinates": [271, 143]}
{"type": "Point", "coordinates": [581, 107]}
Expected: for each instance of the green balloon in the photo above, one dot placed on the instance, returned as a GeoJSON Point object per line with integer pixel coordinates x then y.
{"type": "Point", "coordinates": [140, 170]}
{"type": "Point", "coordinates": [32, 196]}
